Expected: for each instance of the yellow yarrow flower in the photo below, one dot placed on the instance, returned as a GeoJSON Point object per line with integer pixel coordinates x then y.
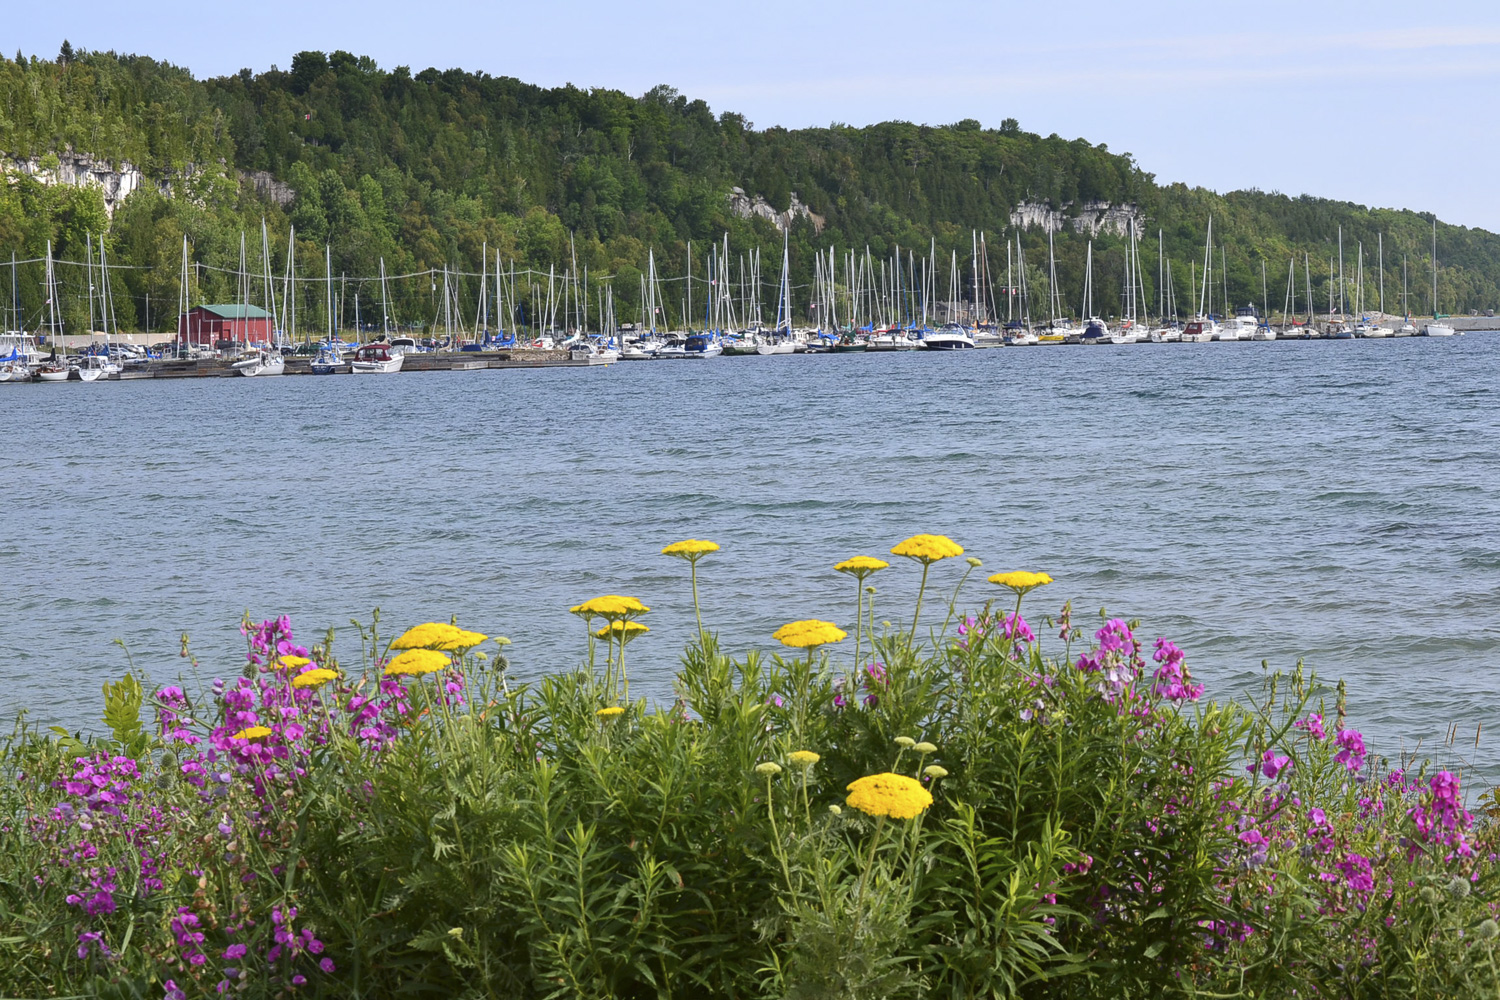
{"type": "Point", "coordinates": [768, 769]}
{"type": "Point", "coordinates": [611, 606]}
{"type": "Point", "coordinates": [803, 758]}
{"type": "Point", "coordinates": [935, 771]}
{"type": "Point", "coordinates": [690, 549]}
{"type": "Point", "coordinates": [1021, 581]}
{"type": "Point", "coordinates": [313, 678]}
{"type": "Point", "coordinates": [429, 635]}
{"type": "Point", "coordinates": [610, 712]}
{"type": "Point", "coordinates": [417, 662]}
{"type": "Point", "coordinates": [253, 733]}
{"type": "Point", "coordinates": [625, 631]}
{"type": "Point", "coordinates": [808, 633]}
{"type": "Point", "coordinates": [860, 567]}
{"type": "Point", "coordinates": [893, 795]}
{"type": "Point", "coordinates": [928, 548]}
{"type": "Point", "coordinates": [289, 662]}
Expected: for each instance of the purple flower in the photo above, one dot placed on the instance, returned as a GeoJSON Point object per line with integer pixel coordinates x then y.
{"type": "Point", "coordinates": [1313, 724]}
{"type": "Point", "coordinates": [235, 951]}
{"type": "Point", "coordinates": [1271, 764]}
{"type": "Point", "coordinates": [1351, 749]}
{"type": "Point", "coordinates": [1358, 873]}
{"type": "Point", "coordinates": [327, 965]}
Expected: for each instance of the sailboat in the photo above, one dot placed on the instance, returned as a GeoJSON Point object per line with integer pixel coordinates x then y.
{"type": "Point", "coordinates": [380, 357]}
{"type": "Point", "coordinates": [781, 340]}
{"type": "Point", "coordinates": [266, 359]}
{"type": "Point", "coordinates": [1203, 328]}
{"type": "Point", "coordinates": [1436, 329]}
{"type": "Point", "coordinates": [952, 335]}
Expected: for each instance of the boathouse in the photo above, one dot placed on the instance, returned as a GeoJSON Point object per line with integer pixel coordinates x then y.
{"type": "Point", "coordinates": [224, 326]}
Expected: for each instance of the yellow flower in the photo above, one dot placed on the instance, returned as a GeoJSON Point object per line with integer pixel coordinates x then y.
{"type": "Point", "coordinates": [928, 548]}
{"type": "Point", "coordinates": [1021, 581]}
{"type": "Point", "coordinates": [803, 758]}
{"type": "Point", "coordinates": [289, 662]}
{"type": "Point", "coordinates": [611, 606]}
{"type": "Point", "coordinates": [835, 810]}
{"type": "Point", "coordinates": [417, 662]}
{"type": "Point", "coordinates": [429, 635]}
{"type": "Point", "coordinates": [808, 633]}
{"type": "Point", "coordinates": [464, 640]}
{"type": "Point", "coordinates": [925, 747]}
{"type": "Point", "coordinates": [629, 630]}
{"type": "Point", "coordinates": [892, 795]}
{"type": "Point", "coordinates": [313, 678]}
{"type": "Point", "coordinates": [905, 742]}
{"type": "Point", "coordinates": [860, 567]}
{"type": "Point", "coordinates": [253, 733]}
{"type": "Point", "coordinates": [690, 549]}
{"type": "Point", "coordinates": [610, 712]}
{"type": "Point", "coordinates": [974, 562]}
{"type": "Point", "coordinates": [768, 769]}
{"type": "Point", "coordinates": [935, 771]}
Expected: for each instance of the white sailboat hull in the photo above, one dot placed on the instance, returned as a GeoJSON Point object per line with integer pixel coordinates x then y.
{"type": "Point", "coordinates": [61, 376]}
{"type": "Point", "coordinates": [783, 347]}
{"type": "Point", "coordinates": [389, 367]}
{"type": "Point", "coordinates": [1437, 330]}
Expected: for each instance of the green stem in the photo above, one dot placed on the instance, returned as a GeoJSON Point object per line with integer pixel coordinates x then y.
{"type": "Point", "coordinates": [859, 615]}
{"type": "Point", "coordinates": [776, 838]}
{"type": "Point", "coordinates": [1015, 624]}
{"type": "Point", "coordinates": [697, 611]}
{"type": "Point", "coordinates": [869, 863]}
{"type": "Point", "coordinates": [918, 613]}
{"type": "Point", "coordinates": [953, 602]}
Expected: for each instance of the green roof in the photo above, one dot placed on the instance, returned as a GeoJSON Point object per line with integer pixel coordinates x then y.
{"type": "Point", "coordinates": [237, 312]}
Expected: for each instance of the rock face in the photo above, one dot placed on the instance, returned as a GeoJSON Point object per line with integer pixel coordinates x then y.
{"type": "Point", "coordinates": [81, 170]}
{"type": "Point", "coordinates": [745, 207]}
{"type": "Point", "coordinates": [117, 181]}
{"type": "Point", "coordinates": [1091, 217]}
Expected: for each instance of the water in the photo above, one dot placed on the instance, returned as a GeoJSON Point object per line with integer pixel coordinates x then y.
{"type": "Point", "coordinates": [1333, 501]}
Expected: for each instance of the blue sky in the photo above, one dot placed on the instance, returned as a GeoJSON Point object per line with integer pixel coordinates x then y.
{"type": "Point", "coordinates": [1389, 104]}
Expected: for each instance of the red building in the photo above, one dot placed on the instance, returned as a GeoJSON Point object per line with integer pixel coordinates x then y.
{"type": "Point", "coordinates": [223, 326]}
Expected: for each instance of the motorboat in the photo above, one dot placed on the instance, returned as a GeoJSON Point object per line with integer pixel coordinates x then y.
{"type": "Point", "coordinates": [328, 361]}
{"type": "Point", "coordinates": [703, 345]}
{"type": "Point", "coordinates": [1367, 330]}
{"type": "Point", "coordinates": [1095, 332]}
{"type": "Point", "coordinates": [376, 359]}
{"type": "Point", "coordinates": [592, 353]}
{"type": "Point", "coordinates": [260, 362]}
{"type": "Point", "coordinates": [1200, 331]}
{"type": "Point", "coordinates": [948, 337]}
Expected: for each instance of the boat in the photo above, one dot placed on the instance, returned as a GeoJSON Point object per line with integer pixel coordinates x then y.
{"type": "Point", "coordinates": [592, 353]}
{"type": "Point", "coordinates": [1200, 331]}
{"type": "Point", "coordinates": [261, 361]}
{"type": "Point", "coordinates": [328, 361]}
{"type": "Point", "coordinates": [1096, 331]}
{"type": "Point", "coordinates": [1166, 335]}
{"type": "Point", "coordinates": [91, 368]}
{"type": "Point", "coordinates": [52, 371]}
{"type": "Point", "coordinates": [378, 358]}
{"type": "Point", "coordinates": [1019, 336]}
{"type": "Point", "coordinates": [1406, 329]}
{"type": "Point", "coordinates": [1242, 327]}
{"type": "Point", "coordinates": [1435, 328]}
{"type": "Point", "coordinates": [848, 343]}
{"type": "Point", "coordinates": [948, 337]}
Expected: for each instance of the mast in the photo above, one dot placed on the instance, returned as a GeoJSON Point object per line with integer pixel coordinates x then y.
{"type": "Point", "coordinates": [1380, 249]}
{"type": "Point", "coordinates": [385, 310]}
{"type": "Point", "coordinates": [1434, 269]}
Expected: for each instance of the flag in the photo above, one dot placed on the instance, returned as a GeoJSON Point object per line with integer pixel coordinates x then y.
{"type": "Point", "coordinates": [307, 117]}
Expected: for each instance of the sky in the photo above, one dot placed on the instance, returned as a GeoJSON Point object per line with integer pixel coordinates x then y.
{"type": "Point", "coordinates": [1380, 103]}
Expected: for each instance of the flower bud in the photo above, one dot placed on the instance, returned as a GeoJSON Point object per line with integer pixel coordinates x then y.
{"type": "Point", "coordinates": [836, 810]}
{"type": "Point", "coordinates": [1488, 930]}
{"type": "Point", "coordinates": [768, 769]}
{"type": "Point", "coordinates": [925, 747]}
{"type": "Point", "coordinates": [935, 771]}
{"type": "Point", "coordinates": [905, 742]}
{"type": "Point", "coordinates": [974, 562]}
{"type": "Point", "coordinates": [1459, 888]}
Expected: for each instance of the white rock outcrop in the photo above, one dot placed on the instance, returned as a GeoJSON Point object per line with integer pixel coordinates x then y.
{"type": "Point", "coordinates": [117, 181]}
{"type": "Point", "coordinates": [746, 207]}
{"type": "Point", "coordinates": [1091, 217]}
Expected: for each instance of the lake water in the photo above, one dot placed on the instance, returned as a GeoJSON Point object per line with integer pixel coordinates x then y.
{"type": "Point", "coordinates": [1329, 500]}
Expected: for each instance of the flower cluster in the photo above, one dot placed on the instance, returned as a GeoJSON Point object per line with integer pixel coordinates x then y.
{"type": "Point", "coordinates": [890, 795]}
{"type": "Point", "coordinates": [928, 548]}
{"type": "Point", "coordinates": [808, 633]}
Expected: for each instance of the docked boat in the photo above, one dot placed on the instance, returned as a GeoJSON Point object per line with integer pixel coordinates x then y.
{"type": "Point", "coordinates": [328, 361]}
{"type": "Point", "coordinates": [591, 353]}
{"type": "Point", "coordinates": [1021, 337]}
{"type": "Point", "coordinates": [376, 359]}
{"type": "Point", "coordinates": [260, 362]}
{"type": "Point", "coordinates": [1166, 335]}
{"type": "Point", "coordinates": [1200, 331]}
{"type": "Point", "coordinates": [948, 337]}
{"type": "Point", "coordinates": [850, 344]}
{"type": "Point", "coordinates": [703, 345]}
{"type": "Point", "coordinates": [1436, 329]}
{"type": "Point", "coordinates": [52, 371]}
{"type": "Point", "coordinates": [1405, 330]}
{"type": "Point", "coordinates": [1096, 331]}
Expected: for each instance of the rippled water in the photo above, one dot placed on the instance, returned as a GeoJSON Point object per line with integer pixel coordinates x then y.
{"type": "Point", "coordinates": [1337, 501]}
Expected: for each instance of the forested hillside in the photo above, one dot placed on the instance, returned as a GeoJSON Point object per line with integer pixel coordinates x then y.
{"type": "Point", "coordinates": [425, 169]}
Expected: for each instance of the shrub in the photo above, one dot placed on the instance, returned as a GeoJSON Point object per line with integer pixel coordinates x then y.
{"type": "Point", "coordinates": [984, 814]}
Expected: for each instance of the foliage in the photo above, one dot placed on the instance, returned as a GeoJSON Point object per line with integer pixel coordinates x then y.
{"type": "Point", "coordinates": [449, 168]}
{"type": "Point", "coordinates": [1095, 829]}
